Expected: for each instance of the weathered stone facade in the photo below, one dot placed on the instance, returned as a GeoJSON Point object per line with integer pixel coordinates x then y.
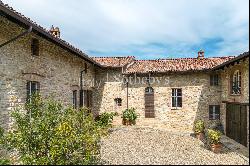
{"type": "Point", "coordinates": [57, 70]}
{"type": "Point", "coordinates": [196, 89]}
{"type": "Point", "coordinates": [226, 95]}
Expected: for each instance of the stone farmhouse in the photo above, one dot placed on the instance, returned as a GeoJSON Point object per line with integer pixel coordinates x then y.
{"type": "Point", "coordinates": [170, 92]}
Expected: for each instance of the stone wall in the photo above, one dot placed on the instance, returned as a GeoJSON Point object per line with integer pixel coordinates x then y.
{"type": "Point", "coordinates": [196, 89]}
{"type": "Point", "coordinates": [57, 70]}
{"type": "Point", "coordinates": [243, 66]}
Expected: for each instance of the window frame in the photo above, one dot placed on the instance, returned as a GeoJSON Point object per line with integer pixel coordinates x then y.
{"type": "Point", "coordinates": [214, 115]}
{"type": "Point", "coordinates": [117, 103]}
{"type": "Point", "coordinates": [35, 49]}
{"type": "Point", "coordinates": [214, 80]}
{"type": "Point", "coordinates": [176, 96]}
{"type": "Point", "coordinates": [30, 90]}
{"type": "Point", "coordinates": [236, 78]}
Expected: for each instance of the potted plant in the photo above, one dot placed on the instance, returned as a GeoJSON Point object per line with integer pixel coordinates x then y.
{"type": "Point", "coordinates": [214, 140]}
{"type": "Point", "coordinates": [199, 129]}
{"type": "Point", "coordinates": [129, 116]}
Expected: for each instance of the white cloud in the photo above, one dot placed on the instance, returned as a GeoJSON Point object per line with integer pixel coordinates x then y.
{"type": "Point", "coordinates": [111, 26]}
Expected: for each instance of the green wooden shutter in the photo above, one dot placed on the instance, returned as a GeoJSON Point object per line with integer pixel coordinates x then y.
{"type": "Point", "coordinates": [210, 112]}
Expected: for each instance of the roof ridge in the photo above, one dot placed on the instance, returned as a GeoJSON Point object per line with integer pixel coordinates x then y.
{"type": "Point", "coordinates": [164, 59]}
{"type": "Point", "coordinates": [120, 57]}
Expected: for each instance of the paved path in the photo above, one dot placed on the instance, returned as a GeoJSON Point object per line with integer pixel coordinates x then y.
{"type": "Point", "coordinates": [141, 146]}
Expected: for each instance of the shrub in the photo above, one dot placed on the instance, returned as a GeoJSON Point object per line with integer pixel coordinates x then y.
{"type": "Point", "coordinates": [105, 119]}
{"type": "Point", "coordinates": [4, 162]}
{"type": "Point", "coordinates": [199, 126]}
{"type": "Point", "coordinates": [48, 134]}
{"type": "Point", "coordinates": [129, 114]}
{"type": "Point", "coordinates": [214, 136]}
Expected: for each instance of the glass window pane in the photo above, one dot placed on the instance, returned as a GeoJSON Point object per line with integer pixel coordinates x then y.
{"type": "Point", "coordinates": [179, 92]}
{"type": "Point", "coordinates": [174, 102]}
{"type": "Point", "coordinates": [173, 92]}
{"type": "Point", "coordinates": [179, 102]}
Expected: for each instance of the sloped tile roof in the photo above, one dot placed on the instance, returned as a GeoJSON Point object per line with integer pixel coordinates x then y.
{"type": "Point", "coordinates": [114, 61]}
{"type": "Point", "coordinates": [175, 65]}
{"type": "Point", "coordinates": [232, 61]}
{"type": "Point", "coordinates": [5, 8]}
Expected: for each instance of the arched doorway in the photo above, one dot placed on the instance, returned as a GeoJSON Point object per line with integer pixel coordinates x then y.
{"type": "Point", "coordinates": [149, 103]}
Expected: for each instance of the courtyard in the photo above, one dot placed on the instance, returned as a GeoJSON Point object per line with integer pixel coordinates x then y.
{"type": "Point", "coordinates": [143, 146]}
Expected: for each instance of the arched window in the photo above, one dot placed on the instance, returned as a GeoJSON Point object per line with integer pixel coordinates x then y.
{"type": "Point", "coordinates": [118, 102]}
{"type": "Point", "coordinates": [236, 82]}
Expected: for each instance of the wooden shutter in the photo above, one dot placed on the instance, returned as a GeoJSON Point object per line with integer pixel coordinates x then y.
{"type": "Point", "coordinates": [89, 98]}
{"type": "Point", "coordinates": [38, 87]}
{"type": "Point", "coordinates": [28, 90]}
{"type": "Point", "coordinates": [240, 82]}
{"type": "Point", "coordinates": [210, 112]}
{"type": "Point", "coordinates": [81, 98]}
{"type": "Point", "coordinates": [231, 84]}
{"type": "Point", "coordinates": [85, 94]}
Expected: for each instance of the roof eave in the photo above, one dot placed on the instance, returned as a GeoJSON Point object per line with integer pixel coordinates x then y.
{"type": "Point", "coordinates": [36, 29]}
{"type": "Point", "coordinates": [232, 61]}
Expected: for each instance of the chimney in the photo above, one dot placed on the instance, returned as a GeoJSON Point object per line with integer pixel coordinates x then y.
{"type": "Point", "coordinates": [55, 31]}
{"type": "Point", "coordinates": [201, 54]}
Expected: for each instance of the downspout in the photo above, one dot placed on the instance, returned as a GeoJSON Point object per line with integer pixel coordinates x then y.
{"type": "Point", "coordinates": [81, 89]}
{"type": "Point", "coordinates": [18, 36]}
{"type": "Point", "coordinates": [127, 92]}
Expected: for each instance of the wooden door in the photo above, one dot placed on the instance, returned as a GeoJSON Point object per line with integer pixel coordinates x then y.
{"type": "Point", "coordinates": [149, 103]}
{"type": "Point", "coordinates": [236, 121]}
{"type": "Point", "coordinates": [88, 99]}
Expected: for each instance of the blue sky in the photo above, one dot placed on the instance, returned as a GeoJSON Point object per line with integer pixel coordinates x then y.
{"type": "Point", "coordinates": [146, 29]}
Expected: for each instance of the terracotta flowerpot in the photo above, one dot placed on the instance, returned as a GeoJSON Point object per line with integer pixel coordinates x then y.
{"type": "Point", "coordinates": [216, 148]}
{"type": "Point", "coordinates": [126, 122]}
{"type": "Point", "coordinates": [200, 136]}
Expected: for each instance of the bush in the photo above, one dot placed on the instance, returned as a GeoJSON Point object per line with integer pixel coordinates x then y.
{"type": "Point", "coordinates": [214, 136]}
{"type": "Point", "coordinates": [4, 162]}
{"type": "Point", "coordinates": [129, 114]}
{"type": "Point", "coordinates": [199, 126]}
{"type": "Point", "coordinates": [105, 119]}
{"type": "Point", "coordinates": [48, 134]}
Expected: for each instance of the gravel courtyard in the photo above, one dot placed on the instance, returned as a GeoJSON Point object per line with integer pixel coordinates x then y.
{"type": "Point", "coordinates": [141, 146]}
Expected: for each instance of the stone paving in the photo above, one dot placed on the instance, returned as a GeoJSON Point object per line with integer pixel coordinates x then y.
{"type": "Point", "coordinates": [141, 146]}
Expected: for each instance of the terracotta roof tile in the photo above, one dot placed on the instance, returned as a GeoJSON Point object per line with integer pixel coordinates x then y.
{"type": "Point", "coordinates": [173, 65]}
{"type": "Point", "coordinates": [114, 61]}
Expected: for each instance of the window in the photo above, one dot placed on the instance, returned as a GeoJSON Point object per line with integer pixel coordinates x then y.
{"type": "Point", "coordinates": [118, 102]}
{"type": "Point", "coordinates": [32, 87]}
{"type": "Point", "coordinates": [214, 80]}
{"type": "Point", "coordinates": [88, 98]}
{"type": "Point", "coordinates": [75, 99]}
{"type": "Point", "coordinates": [214, 112]}
{"type": "Point", "coordinates": [176, 97]}
{"type": "Point", "coordinates": [35, 47]}
{"type": "Point", "coordinates": [236, 82]}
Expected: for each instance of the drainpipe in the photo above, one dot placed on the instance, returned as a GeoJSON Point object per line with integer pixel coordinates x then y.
{"type": "Point", "coordinates": [18, 36]}
{"type": "Point", "coordinates": [127, 93]}
{"type": "Point", "coordinates": [81, 87]}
